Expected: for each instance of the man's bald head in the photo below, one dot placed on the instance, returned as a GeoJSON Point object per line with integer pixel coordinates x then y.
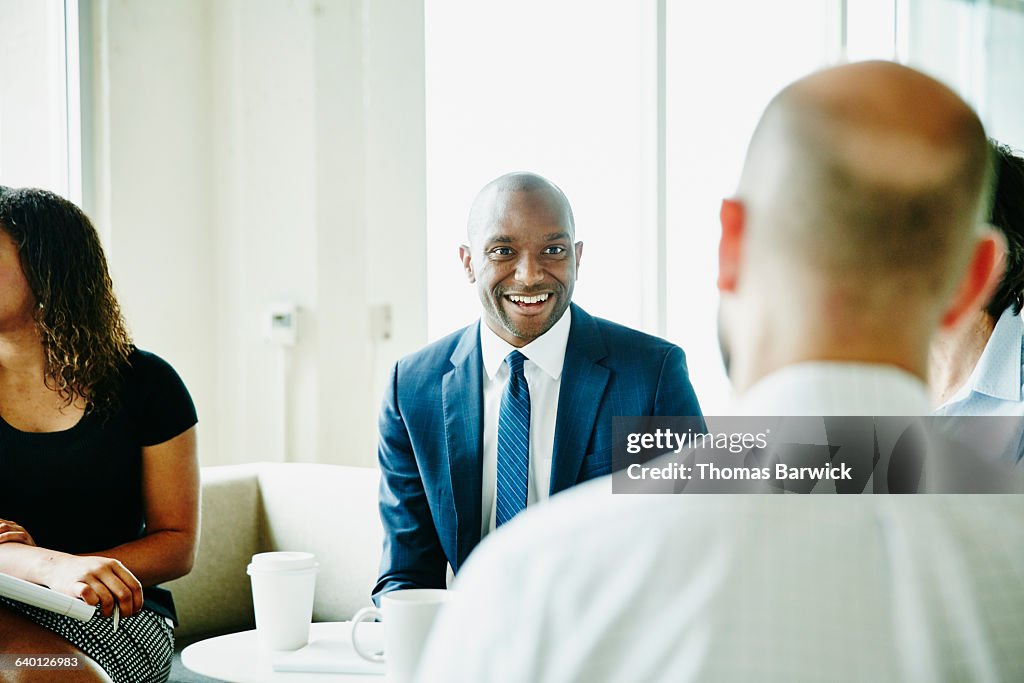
{"type": "Point", "coordinates": [871, 172]}
{"type": "Point", "coordinates": [505, 193]}
{"type": "Point", "coordinates": [856, 218]}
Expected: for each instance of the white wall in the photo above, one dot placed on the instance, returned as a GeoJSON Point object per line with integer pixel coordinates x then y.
{"type": "Point", "coordinates": [252, 151]}
{"type": "Point", "coordinates": [257, 150]}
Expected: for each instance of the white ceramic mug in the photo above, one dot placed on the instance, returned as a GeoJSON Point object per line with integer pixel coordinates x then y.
{"type": "Point", "coordinates": [283, 584]}
{"type": "Point", "coordinates": [407, 616]}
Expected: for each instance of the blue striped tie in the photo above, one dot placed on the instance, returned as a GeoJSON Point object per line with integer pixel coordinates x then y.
{"type": "Point", "coordinates": [513, 442]}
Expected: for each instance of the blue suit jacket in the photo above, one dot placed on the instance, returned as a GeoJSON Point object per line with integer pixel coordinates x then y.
{"type": "Point", "coordinates": [431, 435]}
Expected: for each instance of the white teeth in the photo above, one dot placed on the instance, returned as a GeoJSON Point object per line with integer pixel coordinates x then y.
{"type": "Point", "coordinates": [539, 299]}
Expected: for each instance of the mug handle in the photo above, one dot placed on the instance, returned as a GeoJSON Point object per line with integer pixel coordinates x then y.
{"type": "Point", "coordinates": [361, 616]}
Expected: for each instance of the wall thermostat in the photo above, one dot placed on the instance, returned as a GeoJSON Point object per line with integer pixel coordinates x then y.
{"type": "Point", "coordinates": [281, 326]}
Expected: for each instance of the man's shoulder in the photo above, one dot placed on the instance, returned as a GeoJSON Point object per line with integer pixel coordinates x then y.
{"type": "Point", "coordinates": [618, 336]}
{"type": "Point", "coordinates": [589, 520]}
{"type": "Point", "coordinates": [436, 356]}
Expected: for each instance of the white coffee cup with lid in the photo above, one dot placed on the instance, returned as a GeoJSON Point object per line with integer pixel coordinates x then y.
{"type": "Point", "coordinates": [283, 584]}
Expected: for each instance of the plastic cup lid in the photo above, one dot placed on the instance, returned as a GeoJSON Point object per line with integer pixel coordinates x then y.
{"type": "Point", "coordinates": [282, 562]}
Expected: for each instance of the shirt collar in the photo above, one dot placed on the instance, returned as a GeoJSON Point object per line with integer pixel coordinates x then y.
{"type": "Point", "coordinates": [828, 388]}
{"type": "Point", "coordinates": [546, 351]}
{"type": "Point", "coordinates": [998, 371]}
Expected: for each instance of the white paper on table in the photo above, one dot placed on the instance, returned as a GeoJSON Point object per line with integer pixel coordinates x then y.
{"type": "Point", "coordinates": [326, 656]}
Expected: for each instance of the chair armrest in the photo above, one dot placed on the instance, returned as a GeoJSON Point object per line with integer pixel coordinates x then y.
{"type": "Point", "coordinates": [216, 597]}
{"type": "Point", "coordinates": [329, 510]}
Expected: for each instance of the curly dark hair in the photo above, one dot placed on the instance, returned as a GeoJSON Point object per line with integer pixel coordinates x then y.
{"type": "Point", "coordinates": [85, 340]}
{"type": "Point", "coordinates": [1008, 215]}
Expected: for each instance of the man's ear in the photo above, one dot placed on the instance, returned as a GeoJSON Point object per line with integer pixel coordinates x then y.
{"type": "Point", "coordinates": [732, 217]}
{"type": "Point", "coordinates": [980, 281]}
{"type": "Point", "coordinates": [466, 256]}
{"type": "Point", "coordinates": [579, 256]}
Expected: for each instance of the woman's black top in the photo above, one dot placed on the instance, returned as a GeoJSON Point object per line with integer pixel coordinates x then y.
{"type": "Point", "coordinates": [80, 490]}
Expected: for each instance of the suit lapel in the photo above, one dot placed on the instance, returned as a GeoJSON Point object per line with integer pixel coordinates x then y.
{"type": "Point", "coordinates": [583, 384]}
{"type": "Point", "coordinates": [462, 401]}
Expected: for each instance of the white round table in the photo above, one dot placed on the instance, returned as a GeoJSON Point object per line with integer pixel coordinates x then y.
{"type": "Point", "coordinates": [238, 658]}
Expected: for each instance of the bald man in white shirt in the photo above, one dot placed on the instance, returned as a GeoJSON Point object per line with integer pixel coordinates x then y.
{"type": "Point", "coordinates": [851, 240]}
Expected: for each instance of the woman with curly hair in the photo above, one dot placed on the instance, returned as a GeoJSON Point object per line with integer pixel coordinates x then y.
{"type": "Point", "coordinates": [99, 484]}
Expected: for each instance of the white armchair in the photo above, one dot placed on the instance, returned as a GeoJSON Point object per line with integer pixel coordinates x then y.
{"type": "Point", "coordinates": [329, 510]}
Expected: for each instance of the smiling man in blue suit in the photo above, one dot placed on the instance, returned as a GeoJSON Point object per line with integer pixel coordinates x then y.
{"type": "Point", "coordinates": [518, 406]}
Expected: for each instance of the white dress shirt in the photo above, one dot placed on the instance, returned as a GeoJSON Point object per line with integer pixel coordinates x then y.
{"type": "Point", "coordinates": [597, 587]}
{"type": "Point", "coordinates": [826, 388]}
{"type": "Point", "coordinates": [995, 384]}
{"type": "Point", "coordinates": [994, 391]}
{"type": "Point", "coordinates": [545, 357]}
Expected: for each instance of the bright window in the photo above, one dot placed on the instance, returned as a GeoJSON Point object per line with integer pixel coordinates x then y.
{"type": "Point", "coordinates": [978, 49]}
{"type": "Point", "coordinates": [565, 89]}
{"type": "Point", "coordinates": [39, 138]}
{"type": "Point", "coordinates": [576, 91]}
{"type": "Point", "coordinates": [721, 74]}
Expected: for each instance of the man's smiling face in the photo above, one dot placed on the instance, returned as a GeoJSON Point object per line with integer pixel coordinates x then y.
{"type": "Point", "coordinates": [524, 263]}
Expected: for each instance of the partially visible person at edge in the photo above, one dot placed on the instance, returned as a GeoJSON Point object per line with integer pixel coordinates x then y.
{"type": "Point", "coordinates": [100, 487]}
{"type": "Point", "coordinates": [976, 369]}
{"type": "Point", "coordinates": [518, 406]}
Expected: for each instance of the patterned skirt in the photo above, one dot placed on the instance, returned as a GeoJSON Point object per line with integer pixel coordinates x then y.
{"type": "Point", "coordinates": [139, 652]}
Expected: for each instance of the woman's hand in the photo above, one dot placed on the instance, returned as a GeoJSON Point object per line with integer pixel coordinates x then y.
{"type": "Point", "coordinates": [96, 580]}
{"type": "Point", "coordinates": [12, 532]}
